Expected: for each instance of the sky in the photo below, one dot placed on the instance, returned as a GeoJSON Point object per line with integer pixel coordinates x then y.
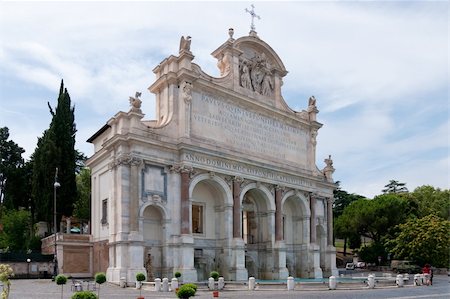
{"type": "Point", "coordinates": [379, 71]}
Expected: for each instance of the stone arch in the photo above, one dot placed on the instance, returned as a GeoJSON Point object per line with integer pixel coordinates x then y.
{"type": "Point", "coordinates": [258, 229]}
{"type": "Point", "coordinates": [296, 215]}
{"type": "Point", "coordinates": [152, 217]}
{"type": "Point", "coordinates": [270, 203]}
{"type": "Point", "coordinates": [211, 221]}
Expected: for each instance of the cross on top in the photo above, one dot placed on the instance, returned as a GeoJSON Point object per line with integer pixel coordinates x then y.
{"type": "Point", "coordinates": [253, 15]}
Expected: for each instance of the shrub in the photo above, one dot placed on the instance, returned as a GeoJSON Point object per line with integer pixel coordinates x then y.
{"type": "Point", "coordinates": [100, 278]}
{"type": "Point", "coordinates": [5, 273]}
{"type": "Point", "coordinates": [191, 285]}
{"type": "Point", "coordinates": [185, 291]}
{"type": "Point", "coordinates": [84, 295]}
{"type": "Point", "coordinates": [140, 276]}
{"type": "Point", "coordinates": [61, 279]}
{"type": "Point", "coordinates": [177, 275]}
{"type": "Point", "coordinates": [215, 275]}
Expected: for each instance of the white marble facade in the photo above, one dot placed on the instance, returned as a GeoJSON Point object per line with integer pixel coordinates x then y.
{"type": "Point", "coordinates": [224, 178]}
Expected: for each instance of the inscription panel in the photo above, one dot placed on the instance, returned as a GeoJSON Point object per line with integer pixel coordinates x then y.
{"type": "Point", "coordinates": [245, 170]}
{"type": "Point", "coordinates": [247, 131]}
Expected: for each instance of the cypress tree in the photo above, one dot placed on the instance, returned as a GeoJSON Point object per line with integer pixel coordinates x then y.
{"type": "Point", "coordinates": [56, 149]}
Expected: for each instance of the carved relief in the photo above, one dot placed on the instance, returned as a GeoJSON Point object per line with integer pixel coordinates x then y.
{"type": "Point", "coordinates": [224, 65]}
{"type": "Point", "coordinates": [186, 89]}
{"type": "Point", "coordinates": [126, 159]}
{"type": "Point", "coordinates": [256, 74]}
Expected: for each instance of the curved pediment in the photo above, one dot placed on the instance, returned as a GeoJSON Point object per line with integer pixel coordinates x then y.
{"type": "Point", "coordinates": [256, 51]}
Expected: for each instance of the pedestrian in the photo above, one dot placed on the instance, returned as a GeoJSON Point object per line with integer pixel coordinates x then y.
{"type": "Point", "coordinates": [428, 274]}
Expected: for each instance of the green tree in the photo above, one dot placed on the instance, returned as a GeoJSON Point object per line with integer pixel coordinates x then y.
{"type": "Point", "coordinates": [424, 240]}
{"type": "Point", "coordinates": [432, 201]}
{"type": "Point", "coordinates": [82, 209]}
{"type": "Point", "coordinates": [14, 173]}
{"type": "Point", "coordinates": [341, 200]}
{"type": "Point", "coordinates": [395, 187]}
{"type": "Point", "coordinates": [56, 149]}
{"type": "Point", "coordinates": [16, 230]}
{"type": "Point", "coordinates": [376, 218]}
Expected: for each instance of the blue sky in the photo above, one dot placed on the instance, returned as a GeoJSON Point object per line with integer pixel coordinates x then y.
{"type": "Point", "coordinates": [379, 72]}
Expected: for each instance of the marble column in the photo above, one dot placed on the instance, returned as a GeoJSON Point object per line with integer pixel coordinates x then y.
{"type": "Point", "coordinates": [330, 221]}
{"type": "Point", "coordinates": [185, 180]}
{"type": "Point", "coordinates": [237, 207]}
{"type": "Point", "coordinates": [134, 194]}
{"type": "Point", "coordinates": [312, 207]}
{"type": "Point", "coordinates": [278, 214]}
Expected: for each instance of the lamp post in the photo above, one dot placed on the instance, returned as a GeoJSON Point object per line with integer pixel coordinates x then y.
{"type": "Point", "coordinates": [55, 186]}
{"type": "Point", "coordinates": [28, 268]}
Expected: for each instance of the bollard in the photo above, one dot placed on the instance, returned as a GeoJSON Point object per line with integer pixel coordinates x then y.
{"type": "Point", "coordinates": [371, 281]}
{"type": "Point", "coordinates": [158, 284]}
{"type": "Point", "coordinates": [399, 280]}
{"type": "Point", "coordinates": [251, 283]}
{"type": "Point", "coordinates": [221, 283]}
{"type": "Point", "coordinates": [165, 284]}
{"type": "Point", "coordinates": [174, 284]}
{"type": "Point", "coordinates": [332, 283]}
{"type": "Point", "coordinates": [211, 283]}
{"type": "Point", "coordinates": [290, 283]}
{"type": "Point", "coordinates": [123, 282]}
{"type": "Point", "coordinates": [417, 280]}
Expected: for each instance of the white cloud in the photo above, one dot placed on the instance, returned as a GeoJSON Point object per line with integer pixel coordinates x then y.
{"type": "Point", "coordinates": [368, 64]}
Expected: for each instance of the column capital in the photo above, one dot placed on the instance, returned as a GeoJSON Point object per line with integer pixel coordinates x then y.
{"type": "Point", "coordinates": [127, 159]}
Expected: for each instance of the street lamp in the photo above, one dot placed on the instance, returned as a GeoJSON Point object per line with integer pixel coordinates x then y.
{"type": "Point", "coordinates": [28, 268]}
{"type": "Point", "coordinates": [55, 257]}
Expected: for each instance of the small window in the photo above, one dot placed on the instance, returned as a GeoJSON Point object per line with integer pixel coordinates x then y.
{"type": "Point", "coordinates": [197, 219]}
{"type": "Point", "coordinates": [104, 211]}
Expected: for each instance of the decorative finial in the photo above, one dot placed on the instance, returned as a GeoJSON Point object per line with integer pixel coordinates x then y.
{"type": "Point", "coordinates": [230, 33]}
{"type": "Point", "coordinates": [253, 15]}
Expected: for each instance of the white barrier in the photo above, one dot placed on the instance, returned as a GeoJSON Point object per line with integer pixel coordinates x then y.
{"type": "Point", "coordinates": [399, 280]}
{"type": "Point", "coordinates": [174, 284]}
{"type": "Point", "coordinates": [158, 284]}
{"type": "Point", "coordinates": [332, 283]}
{"type": "Point", "coordinates": [371, 281]}
{"type": "Point", "coordinates": [251, 283]}
{"type": "Point", "coordinates": [221, 283]}
{"type": "Point", "coordinates": [165, 284]}
{"type": "Point", "coordinates": [417, 280]}
{"type": "Point", "coordinates": [211, 283]}
{"type": "Point", "coordinates": [290, 283]}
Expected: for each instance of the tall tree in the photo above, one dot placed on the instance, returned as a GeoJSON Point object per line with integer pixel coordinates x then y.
{"type": "Point", "coordinates": [56, 149]}
{"type": "Point", "coordinates": [395, 187]}
{"type": "Point", "coordinates": [342, 199]}
{"type": "Point", "coordinates": [432, 201]}
{"type": "Point", "coordinates": [14, 182]}
{"type": "Point", "coordinates": [82, 208]}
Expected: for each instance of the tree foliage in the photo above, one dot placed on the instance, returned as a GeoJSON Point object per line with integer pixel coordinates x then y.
{"type": "Point", "coordinates": [432, 201]}
{"type": "Point", "coordinates": [56, 149]}
{"type": "Point", "coordinates": [395, 187]}
{"type": "Point", "coordinates": [424, 240]}
{"type": "Point", "coordinates": [16, 230]}
{"type": "Point", "coordinates": [82, 208]}
{"type": "Point", "coordinates": [14, 173]}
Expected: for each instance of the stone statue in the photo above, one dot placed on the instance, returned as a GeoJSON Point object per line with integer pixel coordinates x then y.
{"type": "Point", "coordinates": [329, 169]}
{"type": "Point", "coordinates": [136, 102]}
{"type": "Point", "coordinates": [312, 103]}
{"type": "Point", "coordinates": [187, 92]}
{"type": "Point", "coordinates": [267, 84]}
{"type": "Point", "coordinates": [185, 44]}
{"type": "Point", "coordinates": [149, 267]}
{"type": "Point", "coordinates": [245, 76]}
{"type": "Point", "coordinates": [224, 65]}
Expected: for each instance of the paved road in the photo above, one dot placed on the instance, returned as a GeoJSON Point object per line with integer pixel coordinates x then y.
{"type": "Point", "coordinates": [46, 289]}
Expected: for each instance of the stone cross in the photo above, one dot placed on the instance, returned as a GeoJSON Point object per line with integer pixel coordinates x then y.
{"type": "Point", "coordinates": [253, 15]}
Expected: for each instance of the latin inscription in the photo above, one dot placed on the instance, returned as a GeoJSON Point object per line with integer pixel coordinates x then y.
{"type": "Point", "coordinates": [247, 131]}
{"type": "Point", "coordinates": [244, 169]}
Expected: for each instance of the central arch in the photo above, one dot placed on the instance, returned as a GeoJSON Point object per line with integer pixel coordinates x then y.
{"type": "Point", "coordinates": [258, 230]}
